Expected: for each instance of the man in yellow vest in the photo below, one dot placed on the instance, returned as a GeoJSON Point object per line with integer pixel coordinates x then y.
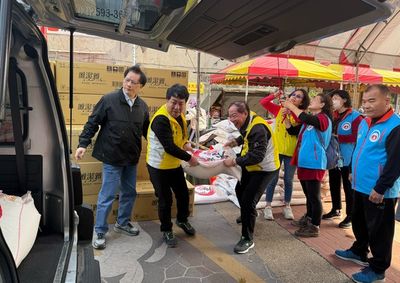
{"type": "Point", "coordinates": [259, 160]}
{"type": "Point", "coordinates": [167, 143]}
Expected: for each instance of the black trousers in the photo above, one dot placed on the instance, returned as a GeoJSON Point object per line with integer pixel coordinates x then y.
{"type": "Point", "coordinates": [373, 227]}
{"type": "Point", "coordinates": [249, 191]}
{"type": "Point", "coordinates": [165, 182]}
{"type": "Point", "coordinates": [312, 190]}
{"type": "Point", "coordinates": [336, 177]}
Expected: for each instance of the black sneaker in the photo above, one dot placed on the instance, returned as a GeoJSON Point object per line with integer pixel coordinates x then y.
{"type": "Point", "coordinates": [309, 231]}
{"type": "Point", "coordinates": [346, 223]}
{"type": "Point", "coordinates": [332, 215]}
{"type": "Point", "coordinates": [187, 227]}
{"type": "Point", "coordinates": [239, 220]}
{"type": "Point", "coordinates": [243, 246]}
{"type": "Point", "coordinates": [170, 239]}
{"type": "Point", "coordinates": [302, 222]}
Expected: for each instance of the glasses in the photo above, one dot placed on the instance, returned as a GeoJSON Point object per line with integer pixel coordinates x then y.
{"type": "Point", "coordinates": [299, 96]}
{"type": "Point", "coordinates": [132, 82]}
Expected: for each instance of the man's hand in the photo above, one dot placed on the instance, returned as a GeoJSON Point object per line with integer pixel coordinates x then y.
{"type": "Point", "coordinates": [80, 152]}
{"type": "Point", "coordinates": [193, 161]}
{"type": "Point", "coordinates": [231, 143]}
{"type": "Point", "coordinates": [187, 147]}
{"type": "Point", "coordinates": [229, 162]}
{"type": "Point", "coordinates": [375, 197]}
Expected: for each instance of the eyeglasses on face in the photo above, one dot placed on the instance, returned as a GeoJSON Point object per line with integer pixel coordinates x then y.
{"type": "Point", "coordinates": [131, 81]}
{"type": "Point", "coordinates": [298, 96]}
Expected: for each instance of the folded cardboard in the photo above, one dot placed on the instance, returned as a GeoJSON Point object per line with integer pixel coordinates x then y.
{"type": "Point", "coordinates": [90, 78]}
{"type": "Point", "coordinates": [76, 131]}
{"type": "Point", "coordinates": [98, 79]}
{"type": "Point", "coordinates": [91, 175]}
{"type": "Point", "coordinates": [83, 105]}
{"type": "Point", "coordinates": [153, 103]}
{"type": "Point", "coordinates": [159, 80]}
{"type": "Point", "coordinates": [142, 172]}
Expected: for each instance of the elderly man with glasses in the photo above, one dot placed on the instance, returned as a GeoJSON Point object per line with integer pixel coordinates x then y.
{"type": "Point", "coordinates": [123, 118]}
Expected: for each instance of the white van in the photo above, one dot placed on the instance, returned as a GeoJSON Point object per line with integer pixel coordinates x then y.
{"type": "Point", "coordinates": [34, 152]}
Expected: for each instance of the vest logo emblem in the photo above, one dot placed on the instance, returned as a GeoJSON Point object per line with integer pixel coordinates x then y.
{"type": "Point", "coordinates": [346, 126]}
{"type": "Point", "coordinates": [375, 135]}
{"type": "Point", "coordinates": [309, 127]}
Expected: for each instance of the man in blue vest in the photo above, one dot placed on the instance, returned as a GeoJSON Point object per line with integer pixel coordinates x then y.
{"type": "Point", "coordinates": [375, 179]}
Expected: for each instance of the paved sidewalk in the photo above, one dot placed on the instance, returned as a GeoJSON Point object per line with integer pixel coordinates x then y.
{"type": "Point", "coordinates": [290, 259]}
{"type": "Point", "coordinates": [333, 238]}
{"type": "Point", "coordinates": [209, 257]}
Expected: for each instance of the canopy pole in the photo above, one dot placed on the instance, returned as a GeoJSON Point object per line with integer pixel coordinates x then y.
{"type": "Point", "coordinates": [247, 89]}
{"type": "Point", "coordinates": [341, 86]}
{"type": "Point", "coordinates": [355, 91]}
{"type": "Point", "coordinates": [198, 101]}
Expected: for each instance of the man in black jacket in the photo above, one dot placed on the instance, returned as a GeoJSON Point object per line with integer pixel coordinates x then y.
{"type": "Point", "coordinates": [259, 160]}
{"type": "Point", "coordinates": [123, 118]}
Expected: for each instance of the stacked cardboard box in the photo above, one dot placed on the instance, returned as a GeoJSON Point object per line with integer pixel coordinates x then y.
{"type": "Point", "coordinates": [146, 204]}
{"type": "Point", "coordinates": [91, 82]}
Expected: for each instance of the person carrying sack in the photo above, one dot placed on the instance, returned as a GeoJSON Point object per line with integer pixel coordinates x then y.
{"type": "Point", "coordinates": [167, 146]}
{"type": "Point", "coordinates": [259, 160]}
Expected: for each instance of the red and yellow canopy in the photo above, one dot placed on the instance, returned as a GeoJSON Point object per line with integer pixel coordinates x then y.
{"type": "Point", "coordinates": [268, 67]}
{"type": "Point", "coordinates": [272, 67]}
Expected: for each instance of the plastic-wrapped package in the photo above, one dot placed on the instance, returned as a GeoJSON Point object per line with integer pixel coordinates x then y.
{"type": "Point", "coordinates": [209, 194]}
{"type": "Point", "coordinates": [211, 164]}
{"type": "Point", "coordinates": [19, 223]}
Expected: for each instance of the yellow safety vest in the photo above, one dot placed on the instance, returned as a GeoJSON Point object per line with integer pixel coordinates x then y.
{"type": "Point", "coordinates": [156, 156]}
{"type": "Point", "coordinates": [270, 161]}
{"type": "Point", "coordinates": [286, 143]}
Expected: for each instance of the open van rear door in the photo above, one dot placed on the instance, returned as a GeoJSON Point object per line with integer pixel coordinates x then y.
{"type": "Point", "coordinates": [225, 28]}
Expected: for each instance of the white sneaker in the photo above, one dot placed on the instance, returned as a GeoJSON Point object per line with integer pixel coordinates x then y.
{"type": "Point", "coordinates": [99, 242]}
{"type": "Point", "coordinates": [268, 213]}
{"type": "Point", "coordinates": [287, 213]}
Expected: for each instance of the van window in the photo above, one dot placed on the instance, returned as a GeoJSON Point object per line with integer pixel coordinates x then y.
{"type": "Point", "coordinates": [6, 126]}
{"type": "Point", "coordinates": [141, 14]}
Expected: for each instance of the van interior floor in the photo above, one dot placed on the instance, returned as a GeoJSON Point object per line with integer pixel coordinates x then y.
{"type": "Point", "coordinates": [41, 263]}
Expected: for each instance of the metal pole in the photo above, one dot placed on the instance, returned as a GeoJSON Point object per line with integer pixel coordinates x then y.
{"type": "Point", "coordinates": [5, 28]}
{"type": "Point", "coordinates": [134, 54]}
{"type": "Point", "coordinates": [198, 101]}
{"type": "Point", "coordinates": [209, 107]}
{"type": "Point", "coordinates": [247, 89]}
{"type": "Point", "coordinates": [71, 84]}
{"type": "Point", "coordinates": [355, 91]}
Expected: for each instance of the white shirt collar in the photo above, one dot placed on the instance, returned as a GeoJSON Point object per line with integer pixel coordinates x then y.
{"type": "Point", "coordinates": [130, 101]}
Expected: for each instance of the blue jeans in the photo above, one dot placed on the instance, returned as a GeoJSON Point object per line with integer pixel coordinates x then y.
{"type": "Point", "coordinates": [287, 178]}
{"type": "Point", "coordinates": [115, 177]}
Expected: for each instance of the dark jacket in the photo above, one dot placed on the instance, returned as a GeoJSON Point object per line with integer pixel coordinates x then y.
{"type": "Point", "coordinates": [121, 129]}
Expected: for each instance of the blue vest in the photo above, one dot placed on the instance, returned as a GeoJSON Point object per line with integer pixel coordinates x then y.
{"type": "Point", "coordinates": [370, 155]}
{"type": "Point", "coordinates": [311, 152]}
{"type": "Point", "coordinates": [345, 129]}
